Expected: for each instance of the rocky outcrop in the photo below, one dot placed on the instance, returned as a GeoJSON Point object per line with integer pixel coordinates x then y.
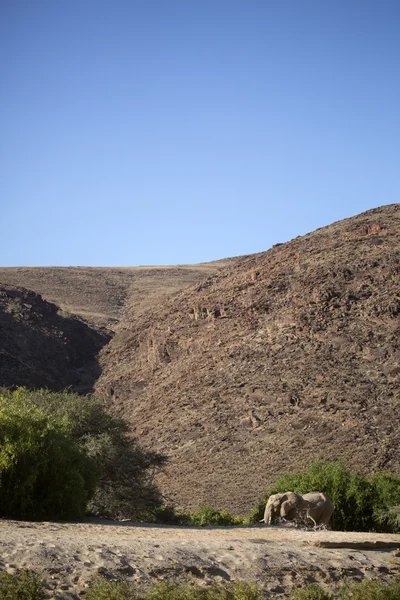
{"type": "Point", "coordinates": [40, 347]}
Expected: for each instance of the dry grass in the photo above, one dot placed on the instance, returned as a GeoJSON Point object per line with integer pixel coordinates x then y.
{"type": "Point", "coordinates": [99, 295]}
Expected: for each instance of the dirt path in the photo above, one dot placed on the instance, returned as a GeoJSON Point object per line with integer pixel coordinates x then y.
{"type": "Point", "coordinates": [69, 555]}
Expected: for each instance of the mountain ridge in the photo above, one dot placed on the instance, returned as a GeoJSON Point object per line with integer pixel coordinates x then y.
{"type": "Point", "coordinates": [99, 295]}
{"type": "Point", "coordinates": [238, 372]}
{"type": "Point", "coordinates": [295, 348]}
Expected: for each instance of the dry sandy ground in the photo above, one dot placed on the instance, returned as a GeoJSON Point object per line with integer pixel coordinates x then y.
{"type": "Point", "coordinates": [70, 555]}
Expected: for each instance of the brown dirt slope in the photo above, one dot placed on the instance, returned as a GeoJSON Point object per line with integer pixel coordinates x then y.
{"type": "Point", "coordinates": [99, 294]}
{"type": "Point", "coordinates": [287, 356]}
{"type": "Point", "coordinates": [39, 347]}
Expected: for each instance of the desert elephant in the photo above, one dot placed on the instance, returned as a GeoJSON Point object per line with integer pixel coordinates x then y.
{"type": "Point", "coordinates": [289, 505]}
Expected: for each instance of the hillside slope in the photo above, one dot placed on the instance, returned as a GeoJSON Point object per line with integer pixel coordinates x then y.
{"type": "Point", "coordinates": [39, 347]}
{"type": "Point", "coordinates": [286, 356]}
{"type": "Point", "coordinates": [99, 294]}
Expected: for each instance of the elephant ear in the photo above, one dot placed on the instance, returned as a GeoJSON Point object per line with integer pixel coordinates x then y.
{"type": "Point", "coordinates": [290, 501]}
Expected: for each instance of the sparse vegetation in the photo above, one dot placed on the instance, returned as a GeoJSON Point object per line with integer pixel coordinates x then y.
{"type": "Point", "coordinates": [368, 589]}
{"type": "Point", "coordinates": [121, 337]}
{"type": "Point", "coordinates": [371, 589]}
{"type": "Point", "coordinates": [361, 503]}
{"type": "Point", "coordinates": [313, 591]}
{"type": "Point", "coordinates": [205, 515]}
{"type": "Point", "coordinates": [238, 590]}
{"type": "Point", "coordinates": [106, 590]}
{"type": "Point", "coordinates": [25, 585]}
{"type": "Point", "coordinates": [61, 454]}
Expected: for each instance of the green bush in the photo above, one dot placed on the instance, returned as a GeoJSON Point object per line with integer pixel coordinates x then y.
{"type": "Point", "coordinates": [389, 517]}
{"type": "Point", "coordinates": [172, 591]}
{"type": "Point", "coordinates": [361, 503]}
{"type": "Point", "coordinates": [114, 476]}
{"type": "Point", "coordinates": [201, 517]}
{"type": "Point", "coordinates": [44, 473]}
{"type": "Point", "coordinates": [238, 590]}
{"type": "Point", "coordinates": [386, 501]}
{"type": "Point", "coordinates": [107, 590]}
{"type": "Point", "coordinates": [206, 515]}
{"type": "Point", "coordinates": [371, 589]}
{"type": "Point", "coordinates": [167, 515]}
{"type": "Point", "coordinates": [235, 590]}
{"type": "Point", "coordinates": [313, 591]}
{"type": "Point", "coordinates": [126, 489]}
{"type": "Point", "coordinates": [25, 585]}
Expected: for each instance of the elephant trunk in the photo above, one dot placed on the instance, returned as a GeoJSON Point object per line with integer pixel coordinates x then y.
{"type": "Point", "coordinates": [268, 515]}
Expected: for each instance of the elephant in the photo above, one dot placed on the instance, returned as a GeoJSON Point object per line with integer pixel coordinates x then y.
{"type": "Point", "coordinates": [316, 506]}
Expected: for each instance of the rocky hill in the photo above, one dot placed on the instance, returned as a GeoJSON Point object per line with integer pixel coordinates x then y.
{"type": "Point", "coordinates": [286, 356]}
{"type": "Point", "coordinates": [99, 295]}
{"type": "Point", "coordinates": [41, 347]}
{"type": "Point", "coordinates": [51, 333]}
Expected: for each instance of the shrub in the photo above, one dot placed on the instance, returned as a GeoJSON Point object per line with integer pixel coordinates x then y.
{"type": "Point", "coordinates": [25, 585]}
{"type": "Point", "coordinates": [172, 591]}
{"type": "Point", "coordinates": [313, 591]}
{"type": "Point", "coordinates": [206, 515]}
{"type": "Point", "coordinates": [118, 474]}
{"type": "Point", "coordinates": [361, 503]}
{"type": "Point", "coordinates": [371, 589]}
{"type": "Point", "coordinates": [44, 473]}
{"type": "Point", "coordinates": [107, 590]}
{"type": "Point", "coordinates": [238, 590]}
{"type": "Point", "coordinates": [389, 517]}
{"type": "Point", "coordinates": [167, 515]}
{"type": "Point", "coordinates": [386, 501]}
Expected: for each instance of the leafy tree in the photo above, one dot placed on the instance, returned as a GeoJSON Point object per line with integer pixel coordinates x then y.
{"type": "Point", "coordinates": [126, 488]}
{"type": "Point", "coordinates": [44, 473]}
{"type": "Point", "coordinates": [116, 473]}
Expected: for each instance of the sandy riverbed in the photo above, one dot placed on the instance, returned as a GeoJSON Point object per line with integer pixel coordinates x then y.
{"type": "Point", "coordinates": [70, 555]}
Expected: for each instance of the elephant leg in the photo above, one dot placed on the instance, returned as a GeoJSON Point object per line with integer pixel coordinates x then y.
{"type": "Point", "coordinates": [289, 515]}
{"type": "Point", "coordinates": [326, 512]}
{"type": "Point", "coordinates": [326, 516]}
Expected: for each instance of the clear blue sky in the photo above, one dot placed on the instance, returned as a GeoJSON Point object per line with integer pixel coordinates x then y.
{"type": "Point", "coordinates": [178, 131]}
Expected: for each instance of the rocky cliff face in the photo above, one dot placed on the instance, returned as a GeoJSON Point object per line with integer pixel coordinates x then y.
{"type": "Point", "coordinates": [289, 355]}
{"type": "Point", "coordinates": [39, 347]}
